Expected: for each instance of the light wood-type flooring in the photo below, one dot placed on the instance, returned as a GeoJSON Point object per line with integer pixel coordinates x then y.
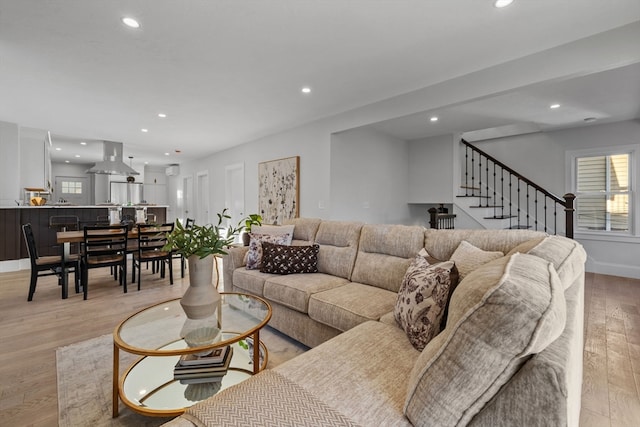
{"type": "Point", "coordinates": [30, 332]}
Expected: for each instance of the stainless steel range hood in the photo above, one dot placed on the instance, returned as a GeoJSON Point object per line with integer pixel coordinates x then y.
{"type": "Point", "coordinates": [112, 163]}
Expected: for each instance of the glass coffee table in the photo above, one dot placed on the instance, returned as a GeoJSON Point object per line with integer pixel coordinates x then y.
{"type": "Point", "coordinates": [157, 333]}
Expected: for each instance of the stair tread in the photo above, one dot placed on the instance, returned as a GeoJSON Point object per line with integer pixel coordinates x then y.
{"type": "Point", "coordinates": [500, 217]}
{"type": "Point", "coordinates": [489, 206]}
{"type": "Point", "coordinates": [475, 195]}
{"type": "Point", "coordinates": [518, 227]}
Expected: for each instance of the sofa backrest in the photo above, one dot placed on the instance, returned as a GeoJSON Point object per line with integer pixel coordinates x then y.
{"type": "Point", "coordinates": [338, 242]}
{"type": "Point", "coordinates": [384, 254]}
{"type": "Point", "coordinates": [441, 244]}
{"type": "Point", "coordinates": [305, 230]}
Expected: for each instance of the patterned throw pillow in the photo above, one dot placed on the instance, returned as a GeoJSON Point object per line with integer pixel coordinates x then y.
{"type": "Point", "coordinates": [279, 259]}
{"type": "Point", "coordinates": [422, 299]}
{"type": "Point", "coordinates": [254, 255]}
{"type": "Point", "coordinates": [468, 257]}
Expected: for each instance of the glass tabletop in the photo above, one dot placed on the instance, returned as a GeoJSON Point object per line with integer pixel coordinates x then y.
{"type": "Point", "coordinates": [160, 330]}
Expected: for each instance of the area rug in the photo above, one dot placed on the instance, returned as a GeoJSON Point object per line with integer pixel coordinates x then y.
{"type": "Point", "coordinates": [85, 380]}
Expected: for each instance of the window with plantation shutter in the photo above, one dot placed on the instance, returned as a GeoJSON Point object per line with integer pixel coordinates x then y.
{"type": "Point", "coordinates": [603, 192]}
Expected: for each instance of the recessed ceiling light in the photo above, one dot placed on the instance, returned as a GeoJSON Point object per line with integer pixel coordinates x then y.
{"type": "Point", "coordinates": [166, 154]}
{"type": "Point", "coordinates": [306, 89]}
{"type": "Point", "coordinates": [554, 106]}
{"type": "Point", "coordinates": [58, 149]}
{"type": "Point", "coordinates": [146, 163]}
{"type": "Point", "coordinates": [502, 3]}
{"type": "Point", "coordinates": [130, 22]}
{"type": "Point", "coordinates": [77, 156]}
{"type": "Point", "coordinates": [434, 119]}
{"type": "Point", "coordinates": [144, 130]}
{"type": "Point", "coordinates": [83, 143]}
{"type": "Point", "coordinates": [66, 161]}
{"type": "Point", "coordinates": [162, 115]}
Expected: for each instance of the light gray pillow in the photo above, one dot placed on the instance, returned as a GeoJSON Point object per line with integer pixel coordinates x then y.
{"type": "Point", "coordinates": [499, 315]}
{"type": "Point", "coordinates": [468, 257]}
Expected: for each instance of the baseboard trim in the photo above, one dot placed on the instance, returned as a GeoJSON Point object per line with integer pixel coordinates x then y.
{"type": "Point", "coordinates": [15, 265]}
{"type": "Point", "coordinates": [611, 269]}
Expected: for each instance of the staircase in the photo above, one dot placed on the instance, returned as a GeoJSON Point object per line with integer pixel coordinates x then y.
{"type": "Point", "coordinates": [496, 196]}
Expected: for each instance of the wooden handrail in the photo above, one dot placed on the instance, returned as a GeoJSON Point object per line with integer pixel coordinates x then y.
{"type": "Point", "coordinates": [516, 174]}
{"type": "Point", "coordinates": [567, 201]}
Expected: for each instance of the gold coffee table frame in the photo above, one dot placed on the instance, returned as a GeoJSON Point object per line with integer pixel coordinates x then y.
{"type": "Point", "coordinates": [155, 334]}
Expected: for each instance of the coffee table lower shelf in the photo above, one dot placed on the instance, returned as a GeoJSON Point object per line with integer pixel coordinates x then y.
{"type": "Point", "coordinates": [148, 387]}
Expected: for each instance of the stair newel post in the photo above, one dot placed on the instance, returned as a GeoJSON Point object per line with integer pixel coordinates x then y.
{"type": "Point", "coordinates": [569, 210]}
{"type": "Point", "coordinates": [433, 218]}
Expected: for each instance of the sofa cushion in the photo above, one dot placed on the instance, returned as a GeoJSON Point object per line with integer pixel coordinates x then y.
{"type": "Point", "coordinates": [254, 254]}
{"type": "Point", "coordinates": [305, 229]}
{"type": "Point", "coordinates": [499, 315]}
{"type": "Point", "coordinates": [294, 290]}
{"type": "Point", "coordinates": [442, 243]}
{"type": "Point", "coordinates": [361, 372]}
{"type": "Point", "coordinates": [468, 257]}
{"type": "Point", "coordinates": [274, 230]}
{"type": "Point", "coordinates": [251, 281]}
{"type": "Point", "coordinates": [567, 255]}
{"type": "Point", "coordinates": [422, 299]}
{"type": "Point", "coordinates": [384, 253]}
{"type": "Point", "coordinates": [349, 305]}
{"type": "Point", "coordinates": [338, 247]}
{"type": "Point", "coordinates": [281, 259]}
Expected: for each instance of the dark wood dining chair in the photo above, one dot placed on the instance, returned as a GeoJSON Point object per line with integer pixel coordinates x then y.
{"type": "Point", "coordinates": [183, 262]}
{"type": "Point", "coordinates": [104, 246]}
{"type": "Point", "coordinates": [151, 239]}
{"type": "Point", "coordinates": [47, 265]}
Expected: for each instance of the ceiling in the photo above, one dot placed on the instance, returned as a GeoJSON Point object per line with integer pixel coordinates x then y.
{"type": "Point", "coordinates": [229, 72]}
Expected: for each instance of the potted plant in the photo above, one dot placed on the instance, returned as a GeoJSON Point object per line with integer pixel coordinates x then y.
{"type": "Point", "coordinates": [253, 219]}
{"type": "Point", "coordinates": [199, 244]}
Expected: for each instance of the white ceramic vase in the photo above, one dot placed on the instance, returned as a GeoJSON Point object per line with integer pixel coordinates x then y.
{"type": "Point", "coordinates": [201, 299]}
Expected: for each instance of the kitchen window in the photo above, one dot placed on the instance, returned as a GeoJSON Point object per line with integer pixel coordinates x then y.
{"type": "Point", "coordinates": [71, 187]}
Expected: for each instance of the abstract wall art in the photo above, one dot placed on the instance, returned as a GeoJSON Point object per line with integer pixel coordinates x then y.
{"type": "Point", "coordinates": [279, 189]}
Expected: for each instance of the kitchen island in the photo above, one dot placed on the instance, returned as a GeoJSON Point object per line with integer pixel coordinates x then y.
{"type": "Point", "coordinates": [12, 245]}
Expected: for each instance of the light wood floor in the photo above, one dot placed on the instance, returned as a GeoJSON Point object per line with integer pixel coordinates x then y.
{"type": "Point", "coordinates": [30, 332]}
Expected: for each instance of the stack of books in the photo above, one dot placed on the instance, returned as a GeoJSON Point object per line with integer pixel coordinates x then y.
{"type": "Point", "coordinates": [192, 369]}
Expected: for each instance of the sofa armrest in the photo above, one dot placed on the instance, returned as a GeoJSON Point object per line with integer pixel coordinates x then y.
{"type": "Point", "coordinates": [234, 259]}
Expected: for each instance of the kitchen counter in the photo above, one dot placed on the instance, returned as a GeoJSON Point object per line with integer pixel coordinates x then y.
{"type": "Point", "coordinates": [12, 246]}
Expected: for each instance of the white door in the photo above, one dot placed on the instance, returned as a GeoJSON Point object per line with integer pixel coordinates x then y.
{"type": "Point", "coordinates": [234, 192]}
{"type": "Point", "coordinates": [202, 199]}
{"type": "Point", "coordinates": [71, 189]}
{"type": "Point", "coordinates": [186, 204]}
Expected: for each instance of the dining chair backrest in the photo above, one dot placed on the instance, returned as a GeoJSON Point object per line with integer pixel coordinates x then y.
{"type": "Point", "coordinates": [104, 241]}
{"type": "Point", "coordinates": [30, 240]}
{"type": "Point", "coordinates": [152, 237]}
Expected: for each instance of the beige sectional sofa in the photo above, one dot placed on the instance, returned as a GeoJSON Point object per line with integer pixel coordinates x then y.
{"type": "Point", "coordinates": [510, 354]}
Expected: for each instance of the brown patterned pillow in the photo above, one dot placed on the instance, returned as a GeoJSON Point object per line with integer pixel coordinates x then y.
{"type": "Point", "coordinates": [280, 259]}
{"type": "Point", "coordinates": [254, 254]}
{"type": "Point", "coordinates": [422, 300]}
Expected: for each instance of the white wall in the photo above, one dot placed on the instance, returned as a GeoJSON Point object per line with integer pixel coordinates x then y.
{"type": "Point", "coordinates": [431, 170]}
{"type": "Point", "coordinates": [32, 158]}
{"type": "Point", "coordinates": [10, 189]}
{"type": "Point", "coordinates": [369, 177]}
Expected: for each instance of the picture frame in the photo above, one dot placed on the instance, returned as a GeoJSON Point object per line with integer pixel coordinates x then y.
{"type": "Point", "coordinates": [279, 189]}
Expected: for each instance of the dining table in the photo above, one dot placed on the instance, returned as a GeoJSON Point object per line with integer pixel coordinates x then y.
{"type": "Point", "coordinates": [66, 238]}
